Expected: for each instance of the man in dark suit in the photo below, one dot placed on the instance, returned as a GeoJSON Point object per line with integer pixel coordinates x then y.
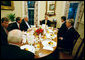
{"type": "Point", "coordinates": [15, 25]}
{"type": "Point", "coordinates": [12, 51]}
{"type": "Point", "coordinates": [69, 36]}
{"type": "Point", "coordinates": [24, 24]}
{"type": "Point", "coordinates": [63, 27]}
{"type": "Point", "coordinates": [4, 32]}
{"type": "Point", "coordinates": [3, 37]}
{"type": "Point", "coordinates": [46, 21]}
{"type": "Point", "coordinates": [4, 23]}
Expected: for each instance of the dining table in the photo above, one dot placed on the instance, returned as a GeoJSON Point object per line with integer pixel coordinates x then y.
{"type": "Point", "coordinates": [43, 44]}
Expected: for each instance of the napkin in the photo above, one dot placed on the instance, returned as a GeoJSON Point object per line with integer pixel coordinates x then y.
{"type": "Point", "coordinates": [44, 31]}
{"type": "Point", "coordinates": [50, 30]}
{"type": "Point", "coordinates": [48, 48]}
{"type": "Point", "coordinates": [30, 48]}
{"type": "Point", "coordinates": [43, 26]}
{"type": "Point", "coordinates": [48, 35]}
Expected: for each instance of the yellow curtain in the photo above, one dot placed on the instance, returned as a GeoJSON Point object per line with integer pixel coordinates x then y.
{"type": "Point", "coordinates": [36, 14]}
{"type": "Point", "coordinates": [26, 8]}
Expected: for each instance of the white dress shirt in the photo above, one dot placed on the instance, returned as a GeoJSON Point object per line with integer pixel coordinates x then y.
{"type": "Point", "coordinates": [17, 24]}
{"type": "Point", "coordinates": [27, 24]}
{"type": "Point", "coordinates": [69, 27]}
{"type": "Point", "coordinates": [5, 30]}
{"type": "Point", "coordinates": [63, 22]}
{"type": "Point", "coordinates": [45, 21]}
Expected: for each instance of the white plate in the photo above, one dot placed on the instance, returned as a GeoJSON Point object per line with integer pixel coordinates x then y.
{"type": "Point", "coordinates": [45, 43]}
{"type": "Point", "coordinates": [30, 48]}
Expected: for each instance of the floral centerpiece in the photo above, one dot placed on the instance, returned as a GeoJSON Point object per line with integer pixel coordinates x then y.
{"type": "Point", "coordinates": [39, 31]}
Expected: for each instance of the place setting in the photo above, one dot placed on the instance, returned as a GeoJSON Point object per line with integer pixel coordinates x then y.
{"type": "Point", "coordinates": [36, 39]}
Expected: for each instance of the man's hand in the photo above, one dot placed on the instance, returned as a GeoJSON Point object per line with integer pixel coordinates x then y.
{"type": "Point", "coordinates": [61, 38]}
{"type": "Point", "coordinates": [23, 31]}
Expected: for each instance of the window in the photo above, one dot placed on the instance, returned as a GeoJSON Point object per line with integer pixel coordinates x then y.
{"type": "Point", "coordinates": [31, 11]}
{"type": "Point", "coordinates": [73, 10]}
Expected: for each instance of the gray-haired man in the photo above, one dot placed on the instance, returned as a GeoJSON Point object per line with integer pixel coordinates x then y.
{"type": "Point", "coordinates": [24, 25]}
{"type": "Point", "coordinates": [68, 38]}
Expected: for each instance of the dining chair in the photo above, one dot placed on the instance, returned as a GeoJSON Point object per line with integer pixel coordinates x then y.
{"type": "Point", "coordinates": [77, 52]}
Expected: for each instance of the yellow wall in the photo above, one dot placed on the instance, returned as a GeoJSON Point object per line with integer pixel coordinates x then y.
{"type": "Point", "coordinates": [18, 10]}
{"type": "Point", "coordinates": [60, 7]}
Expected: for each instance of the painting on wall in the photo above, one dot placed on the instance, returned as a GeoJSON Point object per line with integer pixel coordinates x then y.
{"type": "Point", "coordinates": [52, 7]}
{"type": "Point", "coordinates": [7, 5]}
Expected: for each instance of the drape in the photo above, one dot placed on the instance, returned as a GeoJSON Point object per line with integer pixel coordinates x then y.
{"type": "Point", "coordinates": [26, 8]}
{"type": "Point", "coordinates": [36, 14]}
{"type": "Point", "coordinates": [81, 11]}
{"type": "Point", "coordinates": [67, 8]}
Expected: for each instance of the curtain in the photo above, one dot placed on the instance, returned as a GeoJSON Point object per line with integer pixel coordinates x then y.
{"type": "Point", "coordinates": [26, 8]}
{"type": "Point", "coordinates": [36, 14]}
{"type": "Point", "coordinates": [81, 11]}
{"type": "Point", "coordinates": [67, 8]}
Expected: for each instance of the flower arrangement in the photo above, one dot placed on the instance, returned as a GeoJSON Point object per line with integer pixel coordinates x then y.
{"type": "Point", "coordinates": [38, 31]}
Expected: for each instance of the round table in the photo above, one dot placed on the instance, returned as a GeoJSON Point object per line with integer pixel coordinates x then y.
{"type": "Point", "coordinates": [41, 50]}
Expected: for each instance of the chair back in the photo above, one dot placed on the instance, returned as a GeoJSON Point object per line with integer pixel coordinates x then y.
{"type": "Point", "coordinates": [78, 48]}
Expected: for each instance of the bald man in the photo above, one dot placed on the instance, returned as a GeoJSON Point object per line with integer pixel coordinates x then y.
{"type": "Point", "coordinates": [9, 51]}
{"type": "Point", "coordinates": [46, 21]}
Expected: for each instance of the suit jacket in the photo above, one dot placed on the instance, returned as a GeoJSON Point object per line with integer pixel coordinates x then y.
{"type": "Point", "coordinates": [68, 39]}
{"type": "Point", "coordinates": [48, 22]}
{"type": "Point", "coordinates": [3, 37]}
{"type": "Point", "coordinates": [14, 52]}
{"type": "Point", "coordinates": [12, 26]}
{"type": "Point", "coordinates": [23, 26]}
{"type": "Point", "coordinates": [62, 30]}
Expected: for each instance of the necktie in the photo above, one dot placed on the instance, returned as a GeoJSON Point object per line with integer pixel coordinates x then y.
{"type": "Point", "coordinates": [6, 31]}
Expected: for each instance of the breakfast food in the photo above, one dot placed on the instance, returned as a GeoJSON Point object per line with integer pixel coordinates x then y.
{"type": "Point", "coordinates": [47, 31]}
{"type": "Point", "coordinates": [44, 37]}
{"type": "Point", "coordinates": [26, 49]}
{"type": "Point", "coordinates": [38, 46]}
{"type": "Point", "coordinates": [50, 43]}
{"type": "Point", "coordinates": [49, 27]}
{"type": "Point", "coordinates": [52, 35]}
